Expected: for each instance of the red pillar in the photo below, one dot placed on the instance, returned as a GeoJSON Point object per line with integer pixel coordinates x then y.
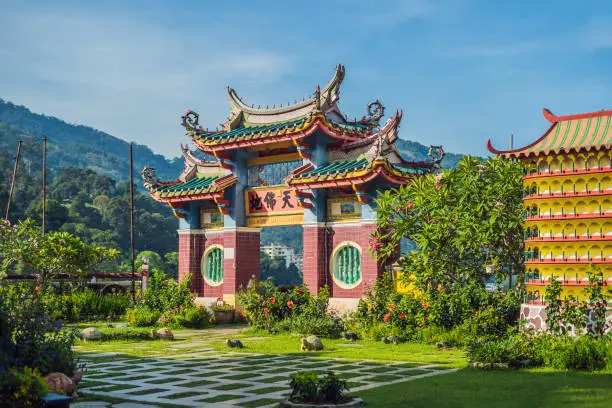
{"type": "Point", "coordinates": [316, 257]}
{"type": "Point", "coordinates": [191, 248]}
{"type": "Point", "coordinates": [240, 260]}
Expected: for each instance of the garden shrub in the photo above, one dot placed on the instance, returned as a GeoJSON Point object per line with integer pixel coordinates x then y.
{"type": "Point", "coordinates": [295, 310]}
{"type": "Point", "coordinates": [566, 352]}
{"type": "Point", "coordinates": [125, 333]}
{"type": "Point", "coordinates": [168, 303]}
{"type": "Point", "coordinates": [516, 351]}
{"type": "Point", "coordinates": [383, 312]}
{"type": "Point", "coordinates": [142, 316]}
{"type": "Point", "coordinates": [193, 317]}
{"type": "Point", "coordinates": [306, 386]}
{"type": "Point", "coordinates": [29, 338]}
{"type": "Point", "coordinates": [22, 388]}
{"type": "Point", "coordinates": [86, 305]}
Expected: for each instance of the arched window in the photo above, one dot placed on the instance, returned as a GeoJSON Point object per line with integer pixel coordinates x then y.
{"type": "Point", "coordinates": [346, 265]}
{"type": "Point", "coordinates": [212, 265]}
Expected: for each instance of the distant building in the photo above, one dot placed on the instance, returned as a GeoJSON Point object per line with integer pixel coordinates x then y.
{"type": "Point", "coordinates": [285, 252]}
{"type": "Point", "coordinates": [567, 188]}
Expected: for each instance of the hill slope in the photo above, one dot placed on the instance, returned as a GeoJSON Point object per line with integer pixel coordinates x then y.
{"type": "Point", "coordinates": [79, 146]}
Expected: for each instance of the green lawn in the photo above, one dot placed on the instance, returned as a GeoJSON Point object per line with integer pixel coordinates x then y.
{"type": "Point", "coordinates": [499, 389]}
{"type": "Point", "coordinates": [541, 388]}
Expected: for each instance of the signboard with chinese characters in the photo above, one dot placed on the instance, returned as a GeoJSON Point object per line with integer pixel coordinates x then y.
{"type": "Point", "coordinates": [270, 206]}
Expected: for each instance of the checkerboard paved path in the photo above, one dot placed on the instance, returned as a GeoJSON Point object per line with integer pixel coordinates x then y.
{"type": "Point", "coordinates": [211, 378]}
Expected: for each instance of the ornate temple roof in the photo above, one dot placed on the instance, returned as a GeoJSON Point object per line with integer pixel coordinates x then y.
{"type": "Point", "coordinates": [358, 152]}
{"type": "Point", "coordinates": [200, 179]}
{"type": "Point", "coordinates": [571, 133]}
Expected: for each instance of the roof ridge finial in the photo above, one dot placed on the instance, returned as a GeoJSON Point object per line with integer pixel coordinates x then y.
{"type": "Point", "coordinates": [318, 99]}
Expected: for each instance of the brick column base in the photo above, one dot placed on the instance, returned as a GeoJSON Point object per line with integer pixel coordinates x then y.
{"type": "Point", "coordinates": [191, 248]}
{"type": "Point", "coordinates": [240, 261]}
{"type": "Point", "coordinates": [316, 258]}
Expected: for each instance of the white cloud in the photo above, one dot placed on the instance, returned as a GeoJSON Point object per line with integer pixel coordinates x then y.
{"type": "Point", "coordinates": [124, 76]}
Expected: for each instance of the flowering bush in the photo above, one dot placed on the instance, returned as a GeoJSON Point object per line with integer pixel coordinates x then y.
{"type": "Point", "coordinates": [296, 310]}
{"type": "Point", "coordinates": [21, 388]}
{"type": "Point", "coordinates": [382, 312]}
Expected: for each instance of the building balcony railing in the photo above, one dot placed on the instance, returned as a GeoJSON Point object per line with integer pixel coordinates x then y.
{"type": "Point", "coordinates": [567, 260]}
{"type": "Point", "coordinates": [567, 215]}
{"type": "Point", "coordinates": [566, 172]}
{"type": "Point", "coordinates": [569, 238]}
{"type": "Point", "coordinates": [558, 194]}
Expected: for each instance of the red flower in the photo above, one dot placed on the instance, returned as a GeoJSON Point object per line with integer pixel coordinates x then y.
{"type": "Point", "coordinates": [290, 304]}
{"type": "Point", "coordinates": [425, 306]}
{"type": "Point", "coordinates": [402, 316]}
{"type": "Point", "coordinates": [272, 300]}
{"type": "Point", "coordinates": [424, 320]}
{"type": "Point", "coordinates": [37, 288]}
{"type": "Point", "coordinates": [409, 205]}
{"type": "Point", "coordinates": [391, 307]}
{"type": "Point", "coordinates": [166, 282]}
{"type": "Point", "coordinates": [387, 317]}
{"type": "Point", "coordinates": [440, 287]}
{"type": "Point", "coordinates": [300, 291]}
{"type": "Point", "coordinates": [266, 311]}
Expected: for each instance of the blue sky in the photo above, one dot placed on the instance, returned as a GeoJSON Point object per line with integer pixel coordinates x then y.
{"type": "Point", "coordinates": [463, 71]}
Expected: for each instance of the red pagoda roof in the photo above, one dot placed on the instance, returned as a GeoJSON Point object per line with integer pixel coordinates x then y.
{"type": "Point", "coordinates": [570, 133]}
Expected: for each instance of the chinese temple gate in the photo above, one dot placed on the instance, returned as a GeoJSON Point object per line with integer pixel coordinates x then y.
{"type": "Point", "coordinates": [301, 164]}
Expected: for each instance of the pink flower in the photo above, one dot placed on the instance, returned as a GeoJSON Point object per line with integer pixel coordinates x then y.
{"type": "Point", "coordinates": [263, 303]}
{"type": "Point", "coordinates": [402, 316]}
{"type": "Point", "coordinates": [387, 317]}
{"type": "Point", "coordinates": [391, 307]}
{"type": "Point", "coordinates": [409, 205]}
{"type": "Point", "coordinates": [290, 304]}
{"type": "Point", "coordinates": [272, 300]}
{"type": "Point", "coordinates": [266, 311]}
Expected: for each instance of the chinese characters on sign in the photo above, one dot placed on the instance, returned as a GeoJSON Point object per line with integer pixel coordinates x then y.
{"type": "Point", "coordinates": [275, 200]}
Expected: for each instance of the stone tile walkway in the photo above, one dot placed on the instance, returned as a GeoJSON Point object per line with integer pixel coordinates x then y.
{"type": "Point", "coordinates": [211, 378]}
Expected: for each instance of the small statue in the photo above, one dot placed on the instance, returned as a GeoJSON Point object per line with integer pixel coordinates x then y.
{"type": "Point", "coordinates": [234, 344]}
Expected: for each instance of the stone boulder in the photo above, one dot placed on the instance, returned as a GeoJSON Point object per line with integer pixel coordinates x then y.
{"type": "Point", "coordinates": [311, 343]}
{"type": "Point", "coordinates": [350, 336]}
{"type": "Point", "coordinates": [234, 344]}
{"type": "Point", "coordinates": [163, 334]}
{"type": "Point", "coordinates": [90, 334]}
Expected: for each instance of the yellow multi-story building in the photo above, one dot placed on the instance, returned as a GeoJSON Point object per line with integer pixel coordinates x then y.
{"type": "Point", "coordinates": [568, 202]}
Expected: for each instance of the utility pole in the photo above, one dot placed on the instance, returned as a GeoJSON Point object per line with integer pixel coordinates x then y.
{"type": "Point", "coordinates": [10, 197]}
{"type": "Point", "coordinates": [44, 184]}
{"type": "Point", "coordinates": [132, 217]}
{"type": "Point", "coordinates": [511, 141]}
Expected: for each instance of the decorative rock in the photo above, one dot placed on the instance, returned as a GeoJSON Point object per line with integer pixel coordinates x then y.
{"type": "Point", "coordinates": [91, 333]}
{"type": "Point", "coordinates": [61, 383]}
{"type": "Point", "coordinates": [121, 325]}
{"type": "Point", "coordinates": [351, 336]}
{"type": "Point", "coordinates": [234, 344]}
{"type": "Point", "coordinates": [272, 331]}
{"type": "Point", "coordinates": [391, 339]}
{"type": "Point", "coordinates": [442, 345]}
{"type": "Point", "coordinates": [163, 334]}
{"type": "Point", "coordinates": [488, 366]}
{"type": "Point", "coordinates": [311, 343]}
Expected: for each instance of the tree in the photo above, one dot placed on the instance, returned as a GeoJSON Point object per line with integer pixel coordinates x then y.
{"type": "Point", "coordinates": [50, 255]}
{"type": "Point", "coordinates": [155, 261]}
{"type": "Point", "coordinates": [56, 214]}
{"type": "Point", "coordinates": [172, 264]}
{"type": "Point", "coordinates": [464, 221]}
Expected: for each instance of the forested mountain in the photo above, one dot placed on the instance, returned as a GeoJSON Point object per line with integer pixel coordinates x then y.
{"type": "Point", "coordinates": [78, 145]}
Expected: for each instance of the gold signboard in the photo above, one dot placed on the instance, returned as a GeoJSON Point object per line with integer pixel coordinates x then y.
{"type": "Point", "coordinates": [343, 208]}
{"type": "Point", "coordinates": [272, 206]}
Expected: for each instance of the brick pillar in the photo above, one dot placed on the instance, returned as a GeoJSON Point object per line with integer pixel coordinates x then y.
{"type": "Point", "coordinates": [356, 233]}
{"type": "Point", "coordinates": [240, 261]}
{"type": "Point", "coordinates": [315, 257]}
{"type": "Point", "coordinates": [191, 248]}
